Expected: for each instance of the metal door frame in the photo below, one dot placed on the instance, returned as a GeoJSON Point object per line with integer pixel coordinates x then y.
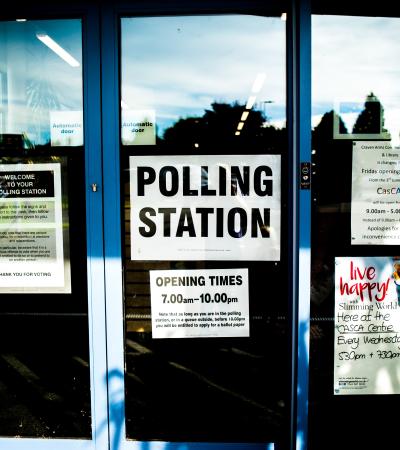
{"type": "Point", "coordinates": [299, 110]}
{"type": "Point", "coordinates": [105, 300]}
{"type": "Point", "coordinates": [94, 223]}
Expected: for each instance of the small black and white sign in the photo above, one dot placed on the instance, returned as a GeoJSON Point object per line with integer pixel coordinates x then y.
{"type": "Point", "coordinates": [199, 303]}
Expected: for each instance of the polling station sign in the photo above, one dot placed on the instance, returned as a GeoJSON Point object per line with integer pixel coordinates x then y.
{"type": "Point", "coordinates": [205, 207]}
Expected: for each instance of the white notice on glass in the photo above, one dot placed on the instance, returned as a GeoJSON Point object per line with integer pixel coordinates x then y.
{"type": "Point", "coordinates": [367, 326]}
{"type": "Point", "coordinates": [31, 229]}
{"type": "Point", "coordinates": [375, 202]}
{"type": "Point", "coordinates": [205, 207]}
{"type": "Point", "coordinates": [199, 303]}
{"type": "Point", "coordinates": [66, 128]}
{"type": "Point", "coordinates": [138, 127]}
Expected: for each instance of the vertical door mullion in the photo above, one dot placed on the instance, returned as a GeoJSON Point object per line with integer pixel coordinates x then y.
{"type": "Point", "coordinates": [301, 85]}
{"type": "Point", "coordinates": [112, 225]}
{"type": "Point", "coordinates": [94, 208]}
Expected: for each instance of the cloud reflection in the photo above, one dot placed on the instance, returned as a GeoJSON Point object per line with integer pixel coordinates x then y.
{"type": "Point", "coordinates": [34, 80]}
{"type": "Point", "coordinates": [353, 56]}
{"type": "Point", "coordinates": [180, 65]}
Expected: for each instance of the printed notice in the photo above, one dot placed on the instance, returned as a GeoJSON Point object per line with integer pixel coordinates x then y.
{"type": "Point", "coordinates": [31, 229]}
{"type": "Point", "coordinates": [138, 127]}
{"type": "Point", "coordinates": [207, 207]}
{"type": "Point", "coordinates": [367, 326]}
{"type": "Point", "coordinates": [375, 203]}
{"type": "Point", "coordinates": [66, 128]}
{"type": "Point", "coordinates": [199, 303]}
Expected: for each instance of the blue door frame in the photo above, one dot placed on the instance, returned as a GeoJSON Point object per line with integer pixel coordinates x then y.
{"type": "Point", "coordinates": [301, 85]}
{"type": "Point", "coordinates": [101, 118]}
{"type": "Point", "coordinates": [94, 225]}
{"type": "Point", "coordinates": [299, 123]}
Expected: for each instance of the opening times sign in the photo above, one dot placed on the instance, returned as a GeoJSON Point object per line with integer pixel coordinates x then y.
{"type": "Point", "coordinates": [199, 303]}
{"type": "Point", "coordinates": [375, 204]}
{"type": "Point", "coordinates": [31, 229]}
{"type": "Point", "coordinates": [209, 207]}
{"type": "Point", "coordinates": [367, 326]}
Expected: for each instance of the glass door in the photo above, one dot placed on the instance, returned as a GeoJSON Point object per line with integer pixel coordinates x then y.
{"type": "Point", "coordinates": [354, 352]}
{"type": "Point", "coordinates": [146, 195]}
{"type": "Point", "coordinates": [52, 366]}
{"type": "Point", "coordinates": [199, 328]}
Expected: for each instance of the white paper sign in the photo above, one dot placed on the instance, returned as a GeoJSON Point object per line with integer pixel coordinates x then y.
{"type": "Point", "coordinates": [138, 127]}
{"type": "Point", "coordinates": [199, 303]}
{"type": "Point", "coordinates": [375, 203]}
{"type": "Point", "coordinates": [66, 128]}
{"type": "Point", "coordinates": [31, 229]}
{"type": "Point", "coordinates": [367, 326]}
{"type": "Point", "coordinates": [214, 207]}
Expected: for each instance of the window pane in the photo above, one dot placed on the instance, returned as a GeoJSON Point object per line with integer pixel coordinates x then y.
{"type": "Point", "coordinates": [41, 83]}
{"type": "Point", "coordinates": [204, 98]}
{"type": "Point", "coordinates": [44, 354]}
{"type": "Point", "coordinates": [355, 234]}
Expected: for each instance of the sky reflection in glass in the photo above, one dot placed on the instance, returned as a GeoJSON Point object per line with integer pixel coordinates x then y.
{"type": "Point", "coordinates": [178, 66]}
{"type": "Point", "coordinates": [352, 57]}
{"type": "Point", "coordinates": [34, 79]}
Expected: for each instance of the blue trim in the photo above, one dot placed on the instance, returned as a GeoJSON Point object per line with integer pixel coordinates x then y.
{"type": "Point", "coordinates": [112, 226]}
{"type": "Point", "coordinates": [135, 445]}
{"type": "Point", "coordinates": [45, 444]}
{"type": "Point", "coordinates": [69, 444]}
{"type": "Point", "coordinates": [113, 255]}
{"type": "Point", "coordinates": [94, 220]}
{"type": "Point", "coordinates": [292, 216]}
{"type": "Point", "coordinates": [303, 46]}
{"type": "Point", "coordinates": [94, 236]}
